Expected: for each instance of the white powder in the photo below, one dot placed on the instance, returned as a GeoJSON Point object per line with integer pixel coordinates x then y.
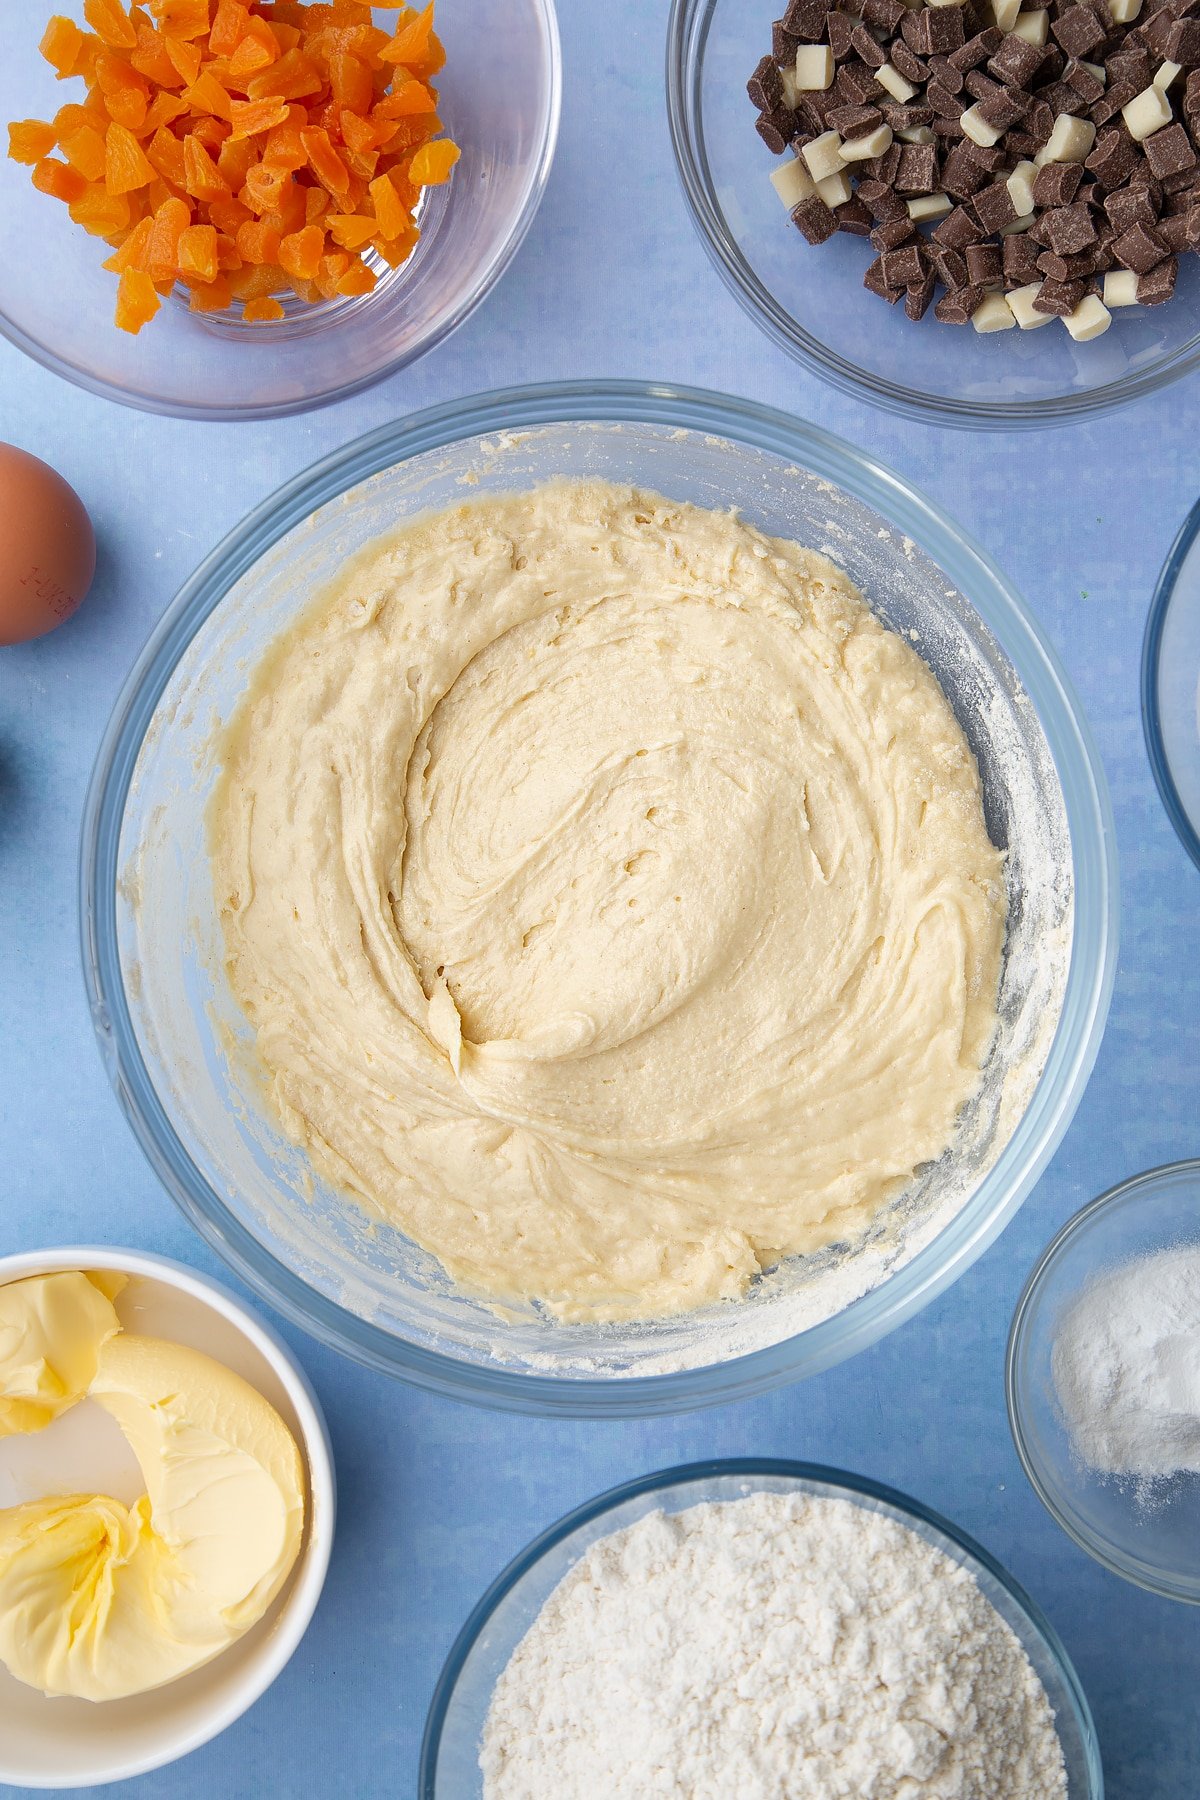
{"type": "Point", "coordinates": [777, 1647]}
{"type": "Point", "coordinates": [1126, 1366]}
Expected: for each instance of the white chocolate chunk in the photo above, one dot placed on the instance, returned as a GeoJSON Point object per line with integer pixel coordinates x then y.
{"type": "Point", "coordinates": [814, 68]}
{"type": "Point", "coordinates": [1020, 188]}
{"type": "Point", "coordinates": [1005, 13]}
{"type": "Point", "coordinates": [1124, 12]}
{"type": "Point", "coordinates": [1033, 27]}
{"type": "Point", "coordinates": [824, 155]}
{"type": "Point", "coordinates": [1168, 72]}
{"type": "Point", "coordinates": [835, 190]}
{"type": "Point", "coordinates": [792, 182]}
{"type": "Point", "coordinates": [791, 93]}
{"type": "Point", "coordinates": [861, 149]}
{"type": "Point", "coordinates": [978, 129]}
{"type": "Point", "coordinates": [945, 2]}
{"type": "Point", "coordinates": [1070, 141]}
{"type": "Point", "coordinates": [894, 82]}
{"type": "Point", "coordinates": [928, 206]}
{"type": "Point", "coordinates": [1015, 225]}
{"type": "Point", "coordinates": [1099, 72]}
{"type": "Point", "coordinates": [917, 134]}
{"type": "Point", "coordinates": [1146, 113]}
{"type": "Point", "coordinates": [1120, 288]}
{"type": "Point", "coordinates": [1090, 318]}
{"type": "Point", "coordinates": [1020, 303]}
{"type": "Point", "coordinates": [994, 314]}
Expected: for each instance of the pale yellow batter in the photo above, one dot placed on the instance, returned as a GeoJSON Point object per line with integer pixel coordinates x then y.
{"type": "Point", "coordinates": [611, 896]}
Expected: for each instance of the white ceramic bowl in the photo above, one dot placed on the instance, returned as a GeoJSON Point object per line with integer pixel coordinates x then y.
{"type": "Point", "coordinates": [74, 1743]}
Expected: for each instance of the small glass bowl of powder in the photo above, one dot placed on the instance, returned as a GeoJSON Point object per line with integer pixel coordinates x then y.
{"type": "Point", "coordinates": [757, 1627]}
{"type": "Point", "coordinates": [1104, 1380]}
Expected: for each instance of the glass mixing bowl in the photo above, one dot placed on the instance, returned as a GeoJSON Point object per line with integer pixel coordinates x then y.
{"type": "Point", "coordinates": [154, 956]}
{"type": "Point", "coordinates": [454, 1729]}
{"type": "Point", "coordinates": [812, 300]}
{"type": "Point", "coordinates": [1171, 684]}
{"type": "Point", "coordinates": [499, 100]}
{"type": "Point", "coordinates": [1147, 1535]}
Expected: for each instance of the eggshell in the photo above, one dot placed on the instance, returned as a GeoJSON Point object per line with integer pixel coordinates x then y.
{"type": "Point", "coordinates": [47, 547]}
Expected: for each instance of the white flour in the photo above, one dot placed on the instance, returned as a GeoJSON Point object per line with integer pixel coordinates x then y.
{"type": "Point", "coordinates": [1127, 1367]}
{"type": "Point", "coordinates": [777, 1647]}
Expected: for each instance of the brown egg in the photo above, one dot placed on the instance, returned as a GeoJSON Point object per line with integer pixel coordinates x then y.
{"type": "Point", "coordinates": [47, 547]}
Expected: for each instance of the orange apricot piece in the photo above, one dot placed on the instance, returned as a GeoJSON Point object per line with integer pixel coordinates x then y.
{"type": "Point", "coordinates": [256, 51]}
{"type": "Point", "coordinates": [250, 117]}
{"type": "Point", "coordinates": [85, 150]}
{"type": "Point", "coordinates": [229, 23]}
{"type": "Point", "coordinates": [433, 162]}
{"type": "Point", "coordinates": [300, 252]}
{"type": "Point", "coordinates": [186, 57]}
{"type": "Point", "coordinates": [101, 213]}
{"type": "Point", "coordinates": [164, 109]}
{"type": "Point", "coordinates": [110, 22]}
{"type": "Point", "coordinates": [62, 45]}
{"type": "Point", "coordinates": [411, 41]}
{"type": "Point", "coordinates": [206, 95]}
{"type": "Point", "coordinates": [167, 154]}
{"type": "Point", "coordinates": [201, 176]}
{"type": "Point", "coordinates": [258, 242]}
{"type": "Point", "coordinates": [137, 301]}
{"type": "Point", "coordinates": [291, 78]}
{"type": "Point", "coordinates": [29, 140]}
{"type": "Point", "coordinates": [325, 162]}
{"type": "Point", "coordinates": [59, 180]}
{"type": "Point", "coordinates": [182, 18]}
{"type": "Point", "coordinates": [171, 220]}
{"type": "Point", "coordinates": [262, 312]}
{"type": "Point", "coordinates": [126, 165]}
{"type": "Point", "coordinates": [358, 279]}
{"type": "Point", "coordinates": [196, 254]}
{"type": "Point", "coordinates": [350, 231]}
{"type": "Point", "coordinates": [216, 297]}
{"type": "Point", "coordinates": [152, 58]}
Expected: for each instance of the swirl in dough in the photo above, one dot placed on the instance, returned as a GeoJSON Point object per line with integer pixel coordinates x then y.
{"type": "Point", "coordinates": [610, 894]}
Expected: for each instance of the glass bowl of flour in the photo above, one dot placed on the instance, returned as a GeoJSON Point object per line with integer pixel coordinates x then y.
{"type": "Point", "coordinates": [1104, 1380]}
{"type": "Point", "coordinates": [757, 1625]}
{"type": "Point", "coordinates": [185, 1062]}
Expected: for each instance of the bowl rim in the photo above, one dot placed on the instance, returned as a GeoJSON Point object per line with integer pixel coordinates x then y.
{"type": "Point", "coordinates": [1187, 830]}
{"type": "Point", "coordinates": [1089, 979]}
{"type": "Point", "coordinates": [1099, 1548]}
{"type": "Point", "coordinates": [694, 1473]}
{"type": "Point", "coordinates": [468, 302]}
{"type": "Point", "coordinates": [687, 35]}
{"type": "Point", "coordinates": [278, 1648]}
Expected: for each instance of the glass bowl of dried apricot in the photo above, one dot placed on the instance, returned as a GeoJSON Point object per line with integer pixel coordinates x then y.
{"type": "Point", "coordinates": [243, 208]}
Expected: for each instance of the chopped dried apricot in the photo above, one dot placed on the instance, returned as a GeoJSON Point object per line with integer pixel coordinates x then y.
{"type": "Point", "coordinates": [137, 301]}
{"type": "Point", "coordinates": [29, 140]}
{"type": "Point", "coordinates": [243, 148]}
{"type": "Point", "coordinates": [262, 312]}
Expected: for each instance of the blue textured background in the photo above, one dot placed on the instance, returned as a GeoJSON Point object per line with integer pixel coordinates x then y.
{"type": "Point", "coordinates": [436, 1497]}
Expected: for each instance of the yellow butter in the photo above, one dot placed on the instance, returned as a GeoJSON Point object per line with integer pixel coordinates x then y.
{"type": "Point", "coordinates": [99, 1600]}
{"type": "Point", "coordinates": [51, 1330]}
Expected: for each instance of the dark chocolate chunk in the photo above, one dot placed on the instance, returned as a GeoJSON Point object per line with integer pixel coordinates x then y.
{"type": "Point", "coordinates": [993, 207]}
{"type": "Point", "coordinates": [873, 279]}
{"type": "Point", "coordinates": [855, 84]}
{"type": "Point", "coordinates": [1158, 284]}
{"type": "Point", "coordinates": [904, 58]}
{"type": "Point", "coordinates": [1016, 61]}
{"type": "Point", "coordinates": [1139, 248]}
{"type": "Point", "coordinates": [1079, 31]}
{"type": "Point", "coordinates": [956, 307]}
{"type": "Point", "coordinates": [1083, 78]}
{"type": "Point", "coordinates": [1173, 231]}
{"type": "Point", "coordinates": [805, 19]}
{"type": "Point", "coordinates": [1065, 229]}
{"type": "Point", "coordinates": [905, 117]}
{"type": "Point", "coordinates": [1157, 32]}
{"type": "Point", "coordinates": [984, 264]}
{"type": "Point", "coordinates": [990, 157]}
{"type": "Point", "coordinates": [979, 85]}
{"type": "Point", "coordinates": [893, 233]}
{"type": "Point", "coordinates": [854, 121]}
{"type": "Point", "coordinates": [962, 176]}
{"type": "Point", "coordinates": [942, 101]}
{"type": "Point", "coordinates": [1003, 108]}
{"type": "Point", "coordinates": [1068, 268]}
{"type": "Point", "coordinates": [840, 30]}
{"type": "Point", "coordinates": [958, 229]}
{"type": "Point", "coordinates": [1056, 183]}
{"type": "Point", "coordinates": [777, 129]}
{"type": "Point", "coordinates": [919, 294]}
{"type": "Point", "coordinates": [1061, 97]}
{"type": "Point", "coordinates": [976, 50]}
{"type": "Point", "coordinates": [884, 167]}
{"type": "Point", "coordinates": [1169, 152]}
{"type": "Point", "coordinates": [865, 44]}
{"type": "Point", "coordinates": [784, 44]}
{"type": "Point", "coordinates": [814, 219]}
{"type": "Point", "coordinates": [946, 74]}
{"type": "Point", "coordinates": [918, 171]}
{"type": "Point", "coordinates": [1019, 258]}
{"type": "Point", "coordinates": [1107, 110]}
{"type": "Point", "coordinates": [950, 129]}
{"type": "Point", "coordinates": [951, 267]}
{"type": "Point", "coordinates": [1058, 298]}
{"type": "Point", "coordinates": [934, 29]}
{"type": "Point", "coordinates": [1112, 160]}
{"type": "Point", "coordinates": [901, 267]}
{"type": "Point", "coordinates": [765, 86]}
{"type": "Point", "coordinates": [1132, 68]}
{"type": "Point", "coordinates": [1130, 206]}
{"type": "Point", "coordinates": [1039, 120]}
{"type": "Point", "coordinates": [1022, 145]}
{"type": "Point", "coordinates": [853, 216]}
{"type": "Point", "coordinates": [886, 14]}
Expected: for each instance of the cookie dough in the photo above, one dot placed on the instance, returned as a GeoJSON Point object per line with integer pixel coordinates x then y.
{"type": "Point", "coordinates": [610, 894]}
